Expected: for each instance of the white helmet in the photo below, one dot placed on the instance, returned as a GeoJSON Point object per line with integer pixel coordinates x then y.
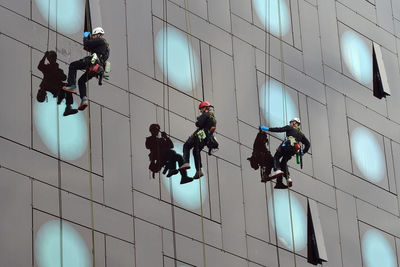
{"type": "Point", "coordinates": [296, 120]}
{"type": "Point", "coordinates": [98, 30]}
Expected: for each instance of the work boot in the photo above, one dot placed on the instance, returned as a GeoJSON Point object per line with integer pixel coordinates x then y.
{"type": "Point", "coordinates": [70, 88]}
{"type": "Point", "coordinates": [185, 166]}
{"type": "Point", "coordinates": [165, 170]}
{"type": "Point", "coordinates": [276, 174]}
{"type": "Point", "coordinates": [198, 174]}
{"type": "Point", "coordinates": [84, 103]}
{"type": "Point", "coordinates": [185, 180]}
{"type": "Point", "coordinates": [289, 182]}
{"type": "Point", "coordinates": [69, 111]}
{"type": "Point", "coordinates": [172, 172]}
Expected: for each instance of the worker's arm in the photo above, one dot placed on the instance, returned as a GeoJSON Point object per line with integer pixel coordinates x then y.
{"type": "Point", "coordinates": [280, 129]}
{"type": "Point", "coordinates": [306, 143]}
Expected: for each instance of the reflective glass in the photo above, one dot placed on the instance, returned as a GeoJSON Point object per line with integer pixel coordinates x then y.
{"type": "Point", "coordinates": [376, 250]}
{"type": "Point", "coordinates": [175, 56]}
{"type": "Point", "coordinates": [65, 16]}
{"type": "Point", "coordinates": [357, 57]}
{"type": "Point", "coordinates": [72, 129]}
{"type": "Point", "coordinates": [274, 14]}
{"type": "Point", "coordinates": [187, 195]}
{"type": "Point", "coordinates": [53, 238]}
{"type": "Point", "coordinates": [367, 154]}
{"type": "Point", "coordinates": [290, 219]}
{"type": "Point", "coordinates": [277, 105]}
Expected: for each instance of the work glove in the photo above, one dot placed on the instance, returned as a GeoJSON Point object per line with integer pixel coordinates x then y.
{"type": "Point", "coordinates": [263, 128]}
{"type": "Point", "coordinates": [302, 153]}
{"type": "Point", "coordinates": [86, 34]}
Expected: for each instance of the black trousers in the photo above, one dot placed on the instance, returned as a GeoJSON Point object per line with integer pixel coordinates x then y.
{"type": "Point", "coordinates": [193, 142]}
{"type": "Point", "coordinates": [82, 64]}
{"type": "Point", "coordinates": [285, 152]}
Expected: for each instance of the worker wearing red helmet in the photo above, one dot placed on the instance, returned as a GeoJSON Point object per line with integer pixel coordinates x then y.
{"type": "Point", "coordinates": [288, 148]}
{"type": "Point", "coordinates": [206, 125]}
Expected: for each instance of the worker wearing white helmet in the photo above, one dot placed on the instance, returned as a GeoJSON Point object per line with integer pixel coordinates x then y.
{"type": "Point", "coordinates": [288, 148]}
{"type": "Point", "coordinates": [94, 64]}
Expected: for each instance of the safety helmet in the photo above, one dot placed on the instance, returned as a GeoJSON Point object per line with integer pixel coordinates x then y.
{"type": "Point", "coordinates": [296, 120]}
{"type": "Point", "coordinates": [98, 30]}
{"type": "Point", "coordinates": [204, 104]}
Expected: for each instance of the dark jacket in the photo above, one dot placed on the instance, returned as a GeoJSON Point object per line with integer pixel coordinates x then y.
{"type": "Point", "coordinates": [98, 46]}
{"type": "Point", "coordinates": [205, 121]}
{"type": "Point", "coordinates": [296, 133]}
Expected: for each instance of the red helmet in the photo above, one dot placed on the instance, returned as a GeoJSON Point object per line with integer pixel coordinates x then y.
{"type": "Point", "coordinates": [204, 104]}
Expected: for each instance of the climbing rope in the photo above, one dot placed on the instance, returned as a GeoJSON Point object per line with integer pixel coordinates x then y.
{"type": "Point", "coordinates": [88, 26]}
{"type": "Point", "coordinates": [194, 96]}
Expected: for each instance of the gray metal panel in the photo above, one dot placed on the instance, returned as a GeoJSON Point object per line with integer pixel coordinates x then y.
{"type": "Point", "coordinates": [396, 158]}
{"type": "Point", "coordinates": [189, 250]}
{"type": "Point", "coordinates": [384, 14]}
{"type": "Point", "coordinates": [254, 193]}
{"type": "Point", "coordinates": [246, 31]}
{"type": "Point", "coordinates": [295, 16]}
{"type": "Point", "coordinates": [245, 81]}
{"type": "Point", "coordinates": [349, 238]}
{"type": "Point", "coordinates": [216, 257]}
{"type": "Point", "coordinates": [119, 253]}
{"type": "Point", "coordinates": [40, 166]}
{"type": "Point", "coordinates": [311, 40]}
{"type": "Point", "coordinates": [45, 198]}
{"type": "Point", "coordinates": [354, 90]}
{"type": "Point", "coordinates": [319, 235]}
{"type": "Point", "coordinates": [76, 209]}
{"type": "Point", "coordinates": [242, 8]}
{"type": "Point", "coordinates": [160, 211]}
{"type": "Point", "coordinates": [232, 212]}
{"type": "Point", "coordinates": [261, 252]}
{"type": "Point", "coordinates": [372, 120]}
{"type": "Point", "coordinates": [15, 101]}
{"type": "Point", "coordinates": [368, 192]}
{"type": "Point", "coordinates": [219, 13]}
{"type": "Point", "coordinates": [140, 35]}
{"type": "Point", "coordinates": [319, 138]}
{"type": "Point", "coordinates": [106, 218]}
{"type": "Point", "coordinates": [117, 161]}
{"type": "Point", "coordinates": [366, 27]}
{"type": "Point", "coordinates": [338, 131]}
{"type": "Point", "coordinates": [378, 218]}
{"type": "Point", "coordinates": [95, 13]}
{"type": "Point", "coordinates": [16, 219]}
{"type": "Point", "coordinates": [9, 22]}
{"type": "Point", "coordinates": [330, 228]}
{"type": "Point", "coordinates": [365, 9]}
{"type": "Point", "coordinates": [329, 33]}
{"type": "Point", "coordinates": [148, 244]}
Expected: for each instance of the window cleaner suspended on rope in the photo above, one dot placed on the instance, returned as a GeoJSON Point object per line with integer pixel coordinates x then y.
{"type": "Point", "coordinates": [290, 146]}
{"type": "Point", "coordinates": [95, 65]}
{"type": "Point", "coordinates": [203, 136]}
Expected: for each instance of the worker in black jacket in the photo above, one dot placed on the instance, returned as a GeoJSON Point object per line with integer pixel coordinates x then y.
{"type": "Point", "coordinates": [206, 125]}
{"type": "Point", "coordinates": [99, 49]}
{"type": "Point", "coordinates": [288, 148]}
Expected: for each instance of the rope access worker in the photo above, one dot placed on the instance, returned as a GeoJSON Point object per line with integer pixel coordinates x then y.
{"type": "Point", "coordinates": [100, 51]}
{"type": "Point", "coordinates": [53, 78]}
{"type": "Point", "coordinates": [288, 148]}
{"type": "Point", "coordinates": [206, 125]}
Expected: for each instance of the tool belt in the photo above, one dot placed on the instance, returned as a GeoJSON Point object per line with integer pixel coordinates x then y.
{"type": "Point", "coordinates": [291, 141]}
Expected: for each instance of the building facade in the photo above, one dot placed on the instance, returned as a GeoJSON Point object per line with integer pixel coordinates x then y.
{"type": "Point", "coordinates": [77, 191]}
